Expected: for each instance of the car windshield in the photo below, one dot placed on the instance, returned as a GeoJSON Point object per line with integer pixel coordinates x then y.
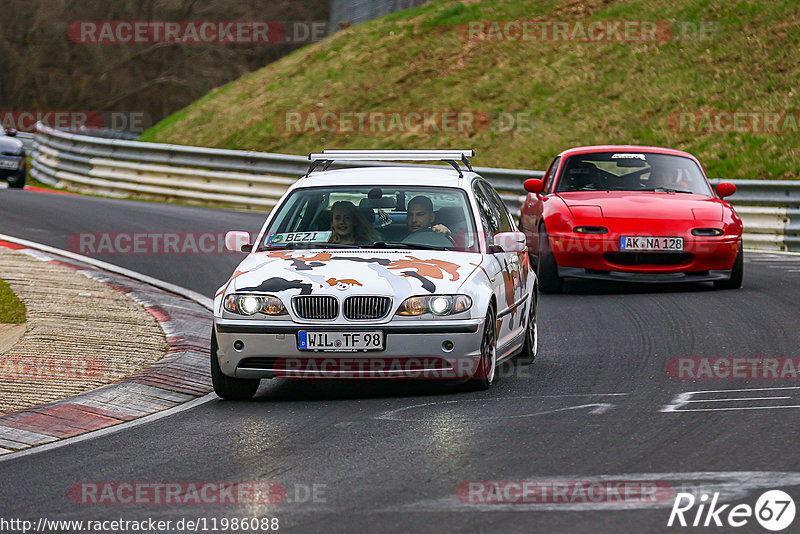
{"type": "Point", "coordinates": [437, 218]}
{"type": "Point", "coordinates": [631, 171]}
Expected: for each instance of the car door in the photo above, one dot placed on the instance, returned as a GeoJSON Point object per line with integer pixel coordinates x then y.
{"type": "Point", "coordinates": [532, 210]}
{"type": "Point", "coordinates": [507, 279]}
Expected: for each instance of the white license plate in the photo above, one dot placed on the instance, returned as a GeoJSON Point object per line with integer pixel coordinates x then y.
{"type": "Point", "coordinates": [8, 164]}
{"type": "Point", "coordinates": [670, 244]}
{"type": "Point", "coordinates": [340, 341]}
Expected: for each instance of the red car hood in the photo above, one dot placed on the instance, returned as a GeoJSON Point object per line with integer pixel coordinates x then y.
{"type": "Point", "coordinates": [643, 205]}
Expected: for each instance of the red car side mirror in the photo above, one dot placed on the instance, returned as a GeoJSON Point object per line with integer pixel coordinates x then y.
{"type": "Point", "coordinates": [533, 185]}
{"type": "Point", "coordinates": [725, 189]}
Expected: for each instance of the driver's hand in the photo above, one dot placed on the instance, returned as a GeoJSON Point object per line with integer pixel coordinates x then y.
{"type": "Point", "coordinates": [442, 229]}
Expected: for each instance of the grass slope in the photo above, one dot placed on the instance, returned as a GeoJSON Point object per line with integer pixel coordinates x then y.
{"type": "Point", "coordinates": [576, 93]}
{"type": "Point", "coordinates": [12, 310]}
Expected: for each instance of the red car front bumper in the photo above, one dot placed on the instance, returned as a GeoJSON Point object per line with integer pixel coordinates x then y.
{"type": "Point", "coordinates": [604, 254]}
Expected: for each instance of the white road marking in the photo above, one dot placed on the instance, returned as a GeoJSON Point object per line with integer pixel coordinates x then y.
{"type": "Point", "coordinates": [738, 399]}
{"type": "Point", "coordinates": [683, 399]}
{"type": "Point", "coordinates": [737, 408]}
{"type": "Point", "coordinates": [599, 408]}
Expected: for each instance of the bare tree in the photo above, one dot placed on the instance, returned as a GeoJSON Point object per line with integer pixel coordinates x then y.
{"type": "Point", "coordinates": [45, 70]}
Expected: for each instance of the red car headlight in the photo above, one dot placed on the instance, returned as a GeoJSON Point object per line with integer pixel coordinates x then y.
{"type": "Point", "coordinates": [590, 230]}
{"type": "Point", "coordinates": [706, 232]}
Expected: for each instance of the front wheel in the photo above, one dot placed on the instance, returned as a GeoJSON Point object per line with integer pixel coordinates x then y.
{"type": "Point", "coordinates": [531, 346]}
{"type": "Point", "coordinates": [547, 268]}
{"type": "Point", "coordinates": [483, 377]}
{"type": "Point", "coordinates": [17, 180]}
{"type": "Point", "coordinates": [228, 387]}
{"type": "Point", "coordinates": [737, 273]}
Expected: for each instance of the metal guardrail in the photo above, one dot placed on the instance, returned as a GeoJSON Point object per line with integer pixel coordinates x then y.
{"type": "Point", "coordinates": [256, 180]}
{"type": "Point", "coordinates": [27, 141]}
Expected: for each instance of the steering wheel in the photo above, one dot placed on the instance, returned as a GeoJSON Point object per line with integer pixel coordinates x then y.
{"type": "Point", "coordinates": [432, 231]}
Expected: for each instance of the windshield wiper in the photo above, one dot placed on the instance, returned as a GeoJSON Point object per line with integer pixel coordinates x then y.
{"type": "Point", "coordinates": [389, 244]}
{"type": "Point", "coordinates": [664, 190]}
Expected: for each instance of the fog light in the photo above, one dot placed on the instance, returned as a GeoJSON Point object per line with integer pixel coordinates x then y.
{"type": "Point", "coordinates": [238, 345]}
{"type": "Point", "coordinates": [447, 346]}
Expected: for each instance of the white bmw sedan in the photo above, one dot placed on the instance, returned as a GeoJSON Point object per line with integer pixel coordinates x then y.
{"type": "Point", "coordinates": [380, 272]}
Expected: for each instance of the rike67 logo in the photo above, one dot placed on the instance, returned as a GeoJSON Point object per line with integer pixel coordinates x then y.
{"type": "Point", "coordinates": [774, 510]}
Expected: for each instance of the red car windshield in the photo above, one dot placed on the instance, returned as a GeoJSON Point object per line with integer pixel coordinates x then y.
{"type": "Point", "coordinates": [631, 171]}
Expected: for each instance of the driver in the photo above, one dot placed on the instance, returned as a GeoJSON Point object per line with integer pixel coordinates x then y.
{"type": "Point", "coordinates": [419, 220]}
{"type": "Point", "coordinates": [666, 177]}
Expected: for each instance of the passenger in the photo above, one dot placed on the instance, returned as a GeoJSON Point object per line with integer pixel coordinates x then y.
{"type": "Point", "coordinates": [348, 225]}
{"type": "Point", "coordinates": [419, 219]}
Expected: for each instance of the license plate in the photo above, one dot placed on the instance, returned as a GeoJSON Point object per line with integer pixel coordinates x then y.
{"type": "Point", "coordinates": [670, 244]}
{"type": "Point", "coordinates": [8, 164]}
{"type": "Point", "coordinates": [340, 341]}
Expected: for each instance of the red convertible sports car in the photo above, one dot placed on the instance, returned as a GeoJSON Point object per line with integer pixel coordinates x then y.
{"type": "Point", "coordinates": [631, 213]}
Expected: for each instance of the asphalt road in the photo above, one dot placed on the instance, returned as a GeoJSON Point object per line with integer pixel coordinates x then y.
{"type": "Point", "coordinates": [598, 405]}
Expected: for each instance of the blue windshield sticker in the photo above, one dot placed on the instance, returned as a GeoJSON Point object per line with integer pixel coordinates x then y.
{"type": "Point", "coordinates": [276, 240]}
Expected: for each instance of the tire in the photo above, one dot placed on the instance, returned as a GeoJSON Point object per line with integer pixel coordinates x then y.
{"type": "Point", "coordinates": [228, 387]}
{"type": "Point", "coordinates": [487, 366]}
{"type": "Point", "coordinates": [17, 180]}
{"type": "Point", "coordinates": [547, 268]}
{"type": "Point", "coordinates": [737, 273]}
{"type": "Point", "coordinates": [531, 345]}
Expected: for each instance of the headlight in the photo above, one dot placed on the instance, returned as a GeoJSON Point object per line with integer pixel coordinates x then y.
{"type": "Point", "coordinates": [252, 304]}
{"type": "Point", "coordinates": [435, 304]}
{"type": "Point", "coordinates": [706, 231]}
{"type": "Point", "coordinates": [590, 230]}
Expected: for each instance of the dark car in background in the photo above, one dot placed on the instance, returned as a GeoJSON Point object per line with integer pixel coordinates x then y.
{"type": "Point", "coordinates": [12, 160]}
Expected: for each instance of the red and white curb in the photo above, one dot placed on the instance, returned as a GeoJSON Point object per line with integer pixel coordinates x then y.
{"type": "Point", "coordinates": [182, 376]}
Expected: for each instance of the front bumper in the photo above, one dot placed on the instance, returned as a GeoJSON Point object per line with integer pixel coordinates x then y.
{"type": "Point", "coordinates": [698, 258]}
{"type": "Point", "coordinates": [448, 349]}
{"type": "Point", "coordinates": [644, 278]}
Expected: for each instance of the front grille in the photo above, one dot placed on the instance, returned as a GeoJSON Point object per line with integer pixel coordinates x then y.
{"type": "Point", "coordinates": [366, 307]}
{"type": "Point", "coordinates": [316, 307]}
{"type": "Point", "coordinates": [649, 258]}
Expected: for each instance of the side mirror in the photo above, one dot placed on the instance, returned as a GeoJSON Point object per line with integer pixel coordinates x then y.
{"type": "Point", "coordinates": [11, 132]}
{"type": "Point", "coordinates": [510, 241]}
{"type": "Point", "coordinates": [725, 189]}
{"type": "Point", "coordinates": [238, 242]}
{"type": "Point", "coordinates": [533, 185]}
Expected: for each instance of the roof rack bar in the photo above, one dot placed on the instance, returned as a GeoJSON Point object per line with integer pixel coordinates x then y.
{"type": "Point", "coordinates": [392, 155]}
{"type": "Point", "coordinates": [450, 156]}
